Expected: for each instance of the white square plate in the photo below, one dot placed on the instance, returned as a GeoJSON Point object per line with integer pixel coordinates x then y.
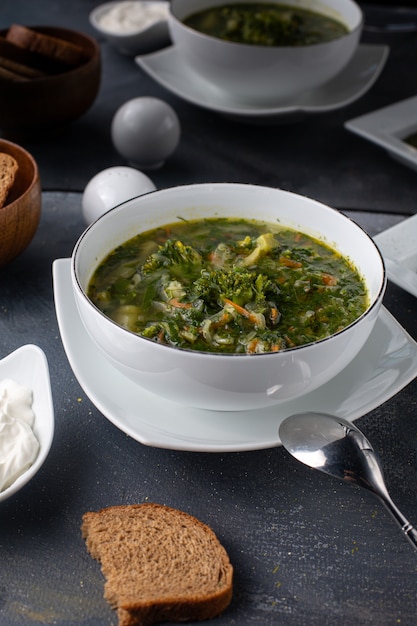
{"type": "Point", "coordinates": [386, 364]}
{"type": "Point", "coordinates": [398, 247]}
{"type": "Point", "coordinates": [389, 128]}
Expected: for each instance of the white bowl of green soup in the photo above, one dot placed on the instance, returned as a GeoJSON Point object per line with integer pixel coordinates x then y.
{"type": "Point", "coordinates": [227, 296]}
{"type": "Point", "coordinates": [263, 52]}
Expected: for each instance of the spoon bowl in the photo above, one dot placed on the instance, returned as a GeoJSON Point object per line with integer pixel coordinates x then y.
{"type": "Point", "coordinates": [338, 448]}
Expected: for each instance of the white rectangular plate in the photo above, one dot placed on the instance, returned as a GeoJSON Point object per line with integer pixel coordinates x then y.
{"type": "Point", "coordinates": [389, 128]}
{"type": "Point", "coordinates": [398, 247]}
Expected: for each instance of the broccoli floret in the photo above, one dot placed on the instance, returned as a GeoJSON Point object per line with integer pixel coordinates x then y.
{"type": "Point", "coordinates": [236, 284]}
{"type": "Point", "coordinates": [170, 254]}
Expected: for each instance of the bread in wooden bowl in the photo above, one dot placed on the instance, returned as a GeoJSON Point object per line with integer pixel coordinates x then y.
{"type": "Point", "coordinates": [20, 200]}
{"type": "Point", "coordinates": [66, 54]}
{"type": "Point", "coordinates": [19, 64]}
{"type": "Point", "coordinates": [8, 172]}
{"type": "Point", "coordinates": [27, 62]}
{"type": "Point", "coordinates": [160, 564]}
{"type": "Point", "coordinates": [49, 77]}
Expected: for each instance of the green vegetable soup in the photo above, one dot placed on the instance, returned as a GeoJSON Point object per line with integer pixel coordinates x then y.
{"type": "Point", "coordinates": [228, 285]}
{"type": "Point", "coordinates": [267, 24]}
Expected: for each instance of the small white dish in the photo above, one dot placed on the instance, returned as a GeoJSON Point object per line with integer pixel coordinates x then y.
{"type": "Point", "coordinates": [398, 247]}
{"type": "Point", "coordinates": [388, 128]}
{"type": "Point", "coordinates": [138, 40]}
{"type": "Point", "coordinates": [386, 364]}
{"type": "Point", "coordinates": [166, 68]}
{"type": "Point", "coordinates": [28, 367]}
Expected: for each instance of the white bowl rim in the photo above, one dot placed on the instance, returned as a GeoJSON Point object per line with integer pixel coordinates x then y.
{"type": "Point", "coordinates": [202, 354]}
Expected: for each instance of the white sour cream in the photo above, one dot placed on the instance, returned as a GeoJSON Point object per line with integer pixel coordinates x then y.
{"type": "Point", "coordinates": [127, 17]}
{"type": "Point", "coordinates": [19, 446]}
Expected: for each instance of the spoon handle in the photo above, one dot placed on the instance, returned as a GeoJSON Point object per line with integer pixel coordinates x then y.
{"type": "Point", "coordinates": [408, 529]}
{"type": "Point", "coordinates": [411, 534]}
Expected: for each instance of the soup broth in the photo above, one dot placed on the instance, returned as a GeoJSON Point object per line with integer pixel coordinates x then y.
{"type": "Point", "coordinates": [228, 285]}
{"type": "Point", "coordinates": [266, 24]}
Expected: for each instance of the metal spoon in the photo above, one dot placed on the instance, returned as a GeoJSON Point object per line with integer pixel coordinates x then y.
{"type": "Point", "coordinates": [338, 448]}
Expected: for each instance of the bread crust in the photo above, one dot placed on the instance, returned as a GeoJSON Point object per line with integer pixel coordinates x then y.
{"type": "Point", "coordinates": [159, 564]}
{"type": "Point", "coordinates": [26, 62]}
{"type": "Point", "coordinates": [28, 54]}
{"type": "Point", "coordinates": [20, 71]}
{"type": "Point", "coordinates": [8, 171]}
{"type": "Point", "coordinates": [65, 52]}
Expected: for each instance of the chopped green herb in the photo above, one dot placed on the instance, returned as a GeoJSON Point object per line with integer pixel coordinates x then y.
{"type": "Point", "coordinates": [266, 24]}
{"type": "Point", "coordinates": [228, 285]}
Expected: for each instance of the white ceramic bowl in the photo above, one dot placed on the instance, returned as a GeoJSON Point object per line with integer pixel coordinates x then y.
{"type": "Point", "coordinates": [138, 39]}
{"type": "Point", "coordinates": [265, 73]}
{"type": "Point", "coordinates": [28, 367]}
{"type": "Point", "coordinates": [219, 381]}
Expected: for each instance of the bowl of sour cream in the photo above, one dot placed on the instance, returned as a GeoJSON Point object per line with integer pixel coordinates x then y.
{"type": "Point", "coordinates": [133, 26]}
{"type": "Point", "coordinates": [26, 417]}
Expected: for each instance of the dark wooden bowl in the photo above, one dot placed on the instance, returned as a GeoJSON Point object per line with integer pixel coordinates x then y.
{"type": "Point", "coordinates": [54, 100]}
{"type": "Point", "coordinates": [19, 217]}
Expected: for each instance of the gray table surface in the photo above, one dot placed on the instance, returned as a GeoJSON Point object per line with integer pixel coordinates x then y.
{"type": "Point", "coordinates": [306, 549]}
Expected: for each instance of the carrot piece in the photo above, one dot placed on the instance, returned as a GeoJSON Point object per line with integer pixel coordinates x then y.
{"type": "Point", "coordinates": [180, 305]}
{"type": "Point", "coordinates": [225, 318]}
{"type": "Point", "coordinates": [274, 315]}
{"type": "Point", "coordinates": [289, 341]}
{"type": "Point", "coordinates": [162, 238]}
{"type": "Point", "coordinates": [289, 262]}
{"type": "Point", "coordinates": [244, 312]}
{"type": "Point", "coordinates": [251, 347]}
{"type": "Point", "coordinates": [328, 279]}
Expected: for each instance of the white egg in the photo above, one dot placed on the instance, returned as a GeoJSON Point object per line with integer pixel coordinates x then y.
{"type": "Point", "coordinates": [111, 187]}
{"type": "Point", "coordinates": [145, 131]}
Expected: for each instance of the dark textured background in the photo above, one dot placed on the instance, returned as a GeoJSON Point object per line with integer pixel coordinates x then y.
{"type": "Point", "coordinates": [307, 550]}
{"type": "Point", "coordinates": [317, 157]}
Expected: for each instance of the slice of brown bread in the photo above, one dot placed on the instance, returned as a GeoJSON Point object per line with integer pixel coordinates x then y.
{"type": "Point", "coordinates": [22, 72]}
{"type": "Point", "coordinates": [8, 171]}
{"type": "Point", "coordinates": [9, 74]}
{"type": "Point", "coordinates": [56, 48]}
{"type": "Point", "coordinates": [29, 59]}
{"type": "Point", "coordinates": [159, 564]}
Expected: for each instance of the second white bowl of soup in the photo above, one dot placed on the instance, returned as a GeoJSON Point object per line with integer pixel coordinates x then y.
{"type": "Point", "coordinates": [267, 56]}
{"type": "Point", "coordinates": [242, 297]}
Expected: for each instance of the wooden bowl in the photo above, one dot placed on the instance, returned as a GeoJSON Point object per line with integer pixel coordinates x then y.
{"type": "Point", "coordinates": [48, 102]}
{"type": "Point", "coordinates": [20, 215]}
